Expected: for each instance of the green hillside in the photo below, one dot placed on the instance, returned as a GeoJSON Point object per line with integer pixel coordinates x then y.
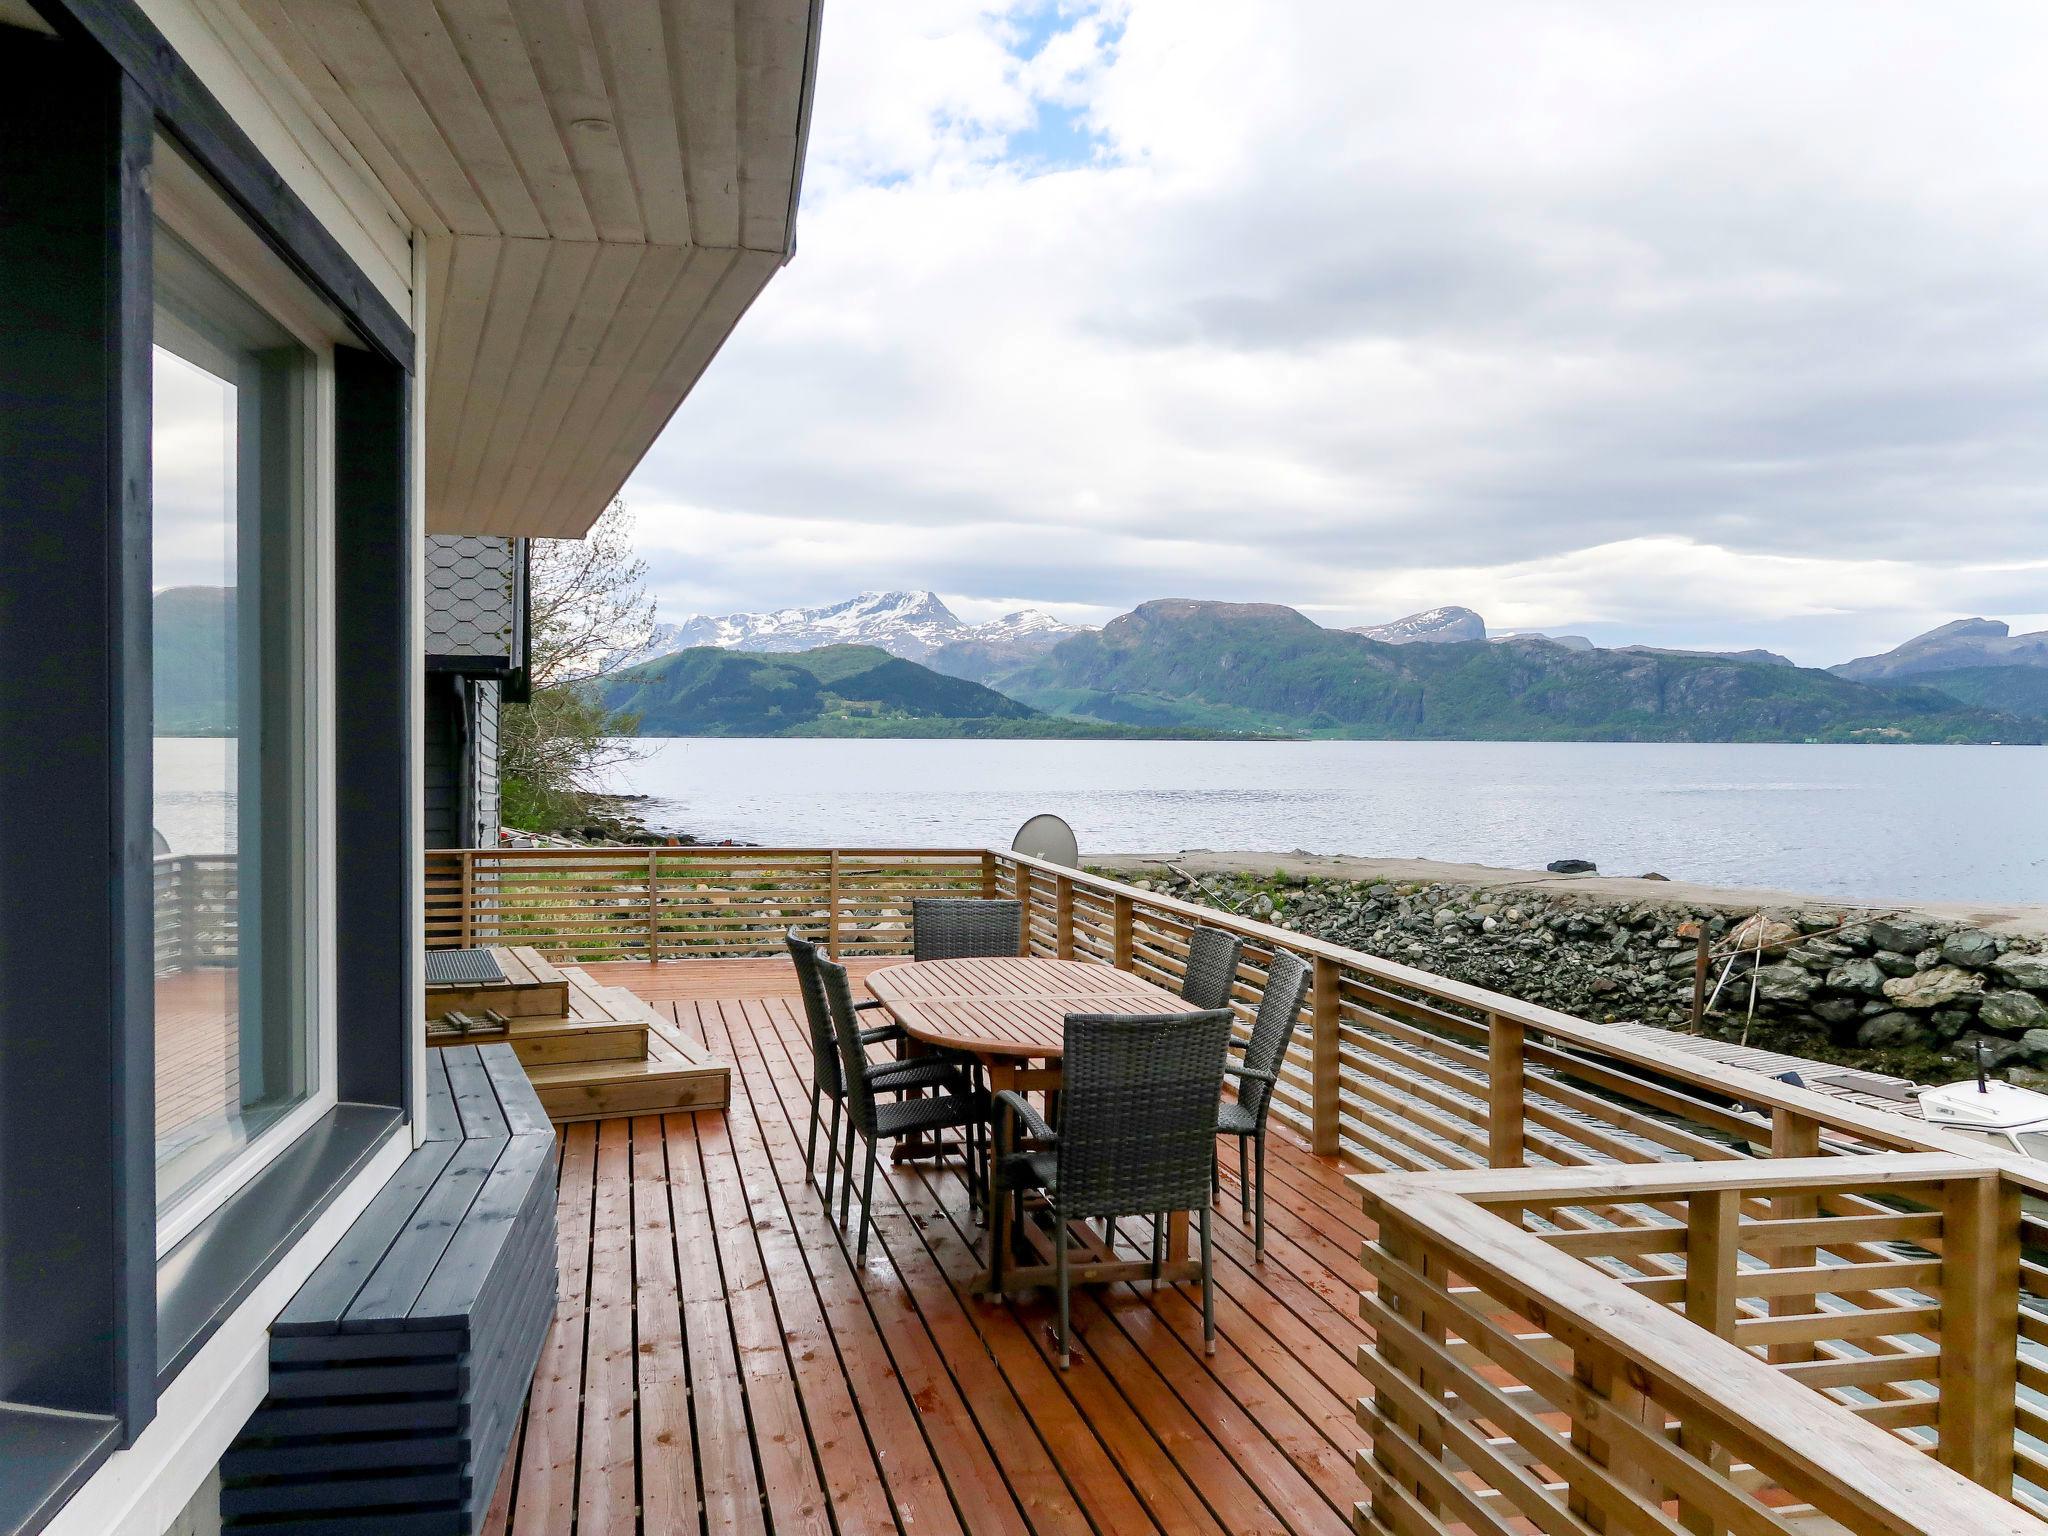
{"type": "Point", "coordinates": [193, 633]}
{"type": "Point", "coordinates": [839, 690]}
{"type": "Point", "coordinates": [2019, 691]}
{"type": "Point", "coordinates": [1264, 667]}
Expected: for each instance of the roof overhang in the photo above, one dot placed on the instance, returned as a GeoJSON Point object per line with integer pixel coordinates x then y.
{"type": "Point", "coordinates": [601, 191]}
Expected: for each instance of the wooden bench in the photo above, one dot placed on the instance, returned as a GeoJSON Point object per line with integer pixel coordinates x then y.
{"type": "Point", "coordinates": [398, 1370]}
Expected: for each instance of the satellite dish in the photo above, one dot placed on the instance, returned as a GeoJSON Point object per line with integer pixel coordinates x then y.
{"type": "Point", "coordinates": [1049, 838]}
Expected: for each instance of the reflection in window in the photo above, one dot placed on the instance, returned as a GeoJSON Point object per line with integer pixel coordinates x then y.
{"type": "Point", "coordinates": [228, 439]}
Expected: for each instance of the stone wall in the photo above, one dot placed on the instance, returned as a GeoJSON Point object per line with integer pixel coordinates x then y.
{"type": "Point", "coordinates": [1898, 992]}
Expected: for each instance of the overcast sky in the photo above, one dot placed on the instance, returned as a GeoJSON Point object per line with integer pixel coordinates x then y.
{"type": "Point", "coordinates": [1711, 325]}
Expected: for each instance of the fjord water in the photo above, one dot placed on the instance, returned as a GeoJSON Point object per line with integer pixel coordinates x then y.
{"type": "Point", "coordinates": [1881, 823]}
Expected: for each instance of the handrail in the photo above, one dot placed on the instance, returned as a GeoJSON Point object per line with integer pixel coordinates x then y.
{"type": "Point", "coordinates": [1895, 1132]}
{"type": "Point", "coordinates": [1627, 1346]}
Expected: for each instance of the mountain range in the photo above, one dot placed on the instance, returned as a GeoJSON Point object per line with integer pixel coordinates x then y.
{"type": "Point", "coordinates": [913, 625]}
{"type": "Point", "coordinates": [1181, 666]}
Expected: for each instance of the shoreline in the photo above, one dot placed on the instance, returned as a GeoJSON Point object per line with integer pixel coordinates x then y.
{"type": "Point", "coordinates": [2017, 919]}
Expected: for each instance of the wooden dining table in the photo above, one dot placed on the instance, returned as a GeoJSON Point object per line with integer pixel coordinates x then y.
{"type": "Point", "coordinates": [1010, 1013]}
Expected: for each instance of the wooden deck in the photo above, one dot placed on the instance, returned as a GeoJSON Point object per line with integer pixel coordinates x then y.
{"type": "Point", "coordinates": [717, 1363]}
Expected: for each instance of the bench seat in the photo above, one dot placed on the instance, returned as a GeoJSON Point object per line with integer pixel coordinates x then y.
{"type": "Point", "coordinates": [398, 1370]}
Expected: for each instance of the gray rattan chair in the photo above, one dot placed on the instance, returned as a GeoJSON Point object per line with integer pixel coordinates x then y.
{"type": "Point", "coordinates": [1212, 967]}
{"type": "Point", "coordinates": [964, 928]}
{"type": "Point", "coordinates": [1137, 1111]}
{"type": "Point", "coordinates": [828, 1079]}
{"type": "Point", "coordinates": [962, 1107]}
{"type": "Point", "coordinates": [1287, 981]}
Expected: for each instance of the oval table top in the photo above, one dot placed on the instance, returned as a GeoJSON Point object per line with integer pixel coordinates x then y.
{"type": "Point", "coordinates": [1010, 1005]}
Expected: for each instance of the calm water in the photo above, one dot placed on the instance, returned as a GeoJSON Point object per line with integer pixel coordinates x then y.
{"type": "Point", "coordinates": [1933, 823]}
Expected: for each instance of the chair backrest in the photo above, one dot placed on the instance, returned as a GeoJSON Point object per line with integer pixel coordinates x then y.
{"type": "Point", "coordinates": [964, 928]}
{"type": "Point", "coordinates": [853, 1056]}
{"type": "Point", "coordinates": [1212, 967]}
{"type": "Point", "coordinates": [1287, 980]}
{"type": "Point", "coordinates": [1138, 1111]}
{"type": "Point", "coordinates": [817, 1013]}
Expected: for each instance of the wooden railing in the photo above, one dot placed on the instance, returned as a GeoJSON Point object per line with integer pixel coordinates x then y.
{"type": "Point", "coordinates": [1533, 1360]}
{"type": "Point", "coordinates": [1397, 1071]}
{"type": "Point", "coordinates": [197, 911]}
{"type": "Point", "coordinates": [675, 903]}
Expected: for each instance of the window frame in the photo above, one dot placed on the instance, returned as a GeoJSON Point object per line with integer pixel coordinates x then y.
{"type": "Point", "coordinates": [197, 215]}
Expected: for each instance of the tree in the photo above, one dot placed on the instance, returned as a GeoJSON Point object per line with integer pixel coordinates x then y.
{"type": "Point", "coordinates": [588, 615]}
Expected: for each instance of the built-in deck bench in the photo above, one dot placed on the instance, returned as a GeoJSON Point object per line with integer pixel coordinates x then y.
{"type": "Point", "coordinates": [398, 1371]}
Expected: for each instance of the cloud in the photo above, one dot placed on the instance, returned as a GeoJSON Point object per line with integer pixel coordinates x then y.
{"type": "Point", "coordinates": [1356, 305]}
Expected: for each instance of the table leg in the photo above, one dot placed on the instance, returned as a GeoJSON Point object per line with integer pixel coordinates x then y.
{"type": "Point", "coordinates": [1002, 1077]}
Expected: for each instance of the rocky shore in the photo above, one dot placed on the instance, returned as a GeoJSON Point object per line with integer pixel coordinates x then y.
{"type": "Point", "coordinates": [1907, 991]}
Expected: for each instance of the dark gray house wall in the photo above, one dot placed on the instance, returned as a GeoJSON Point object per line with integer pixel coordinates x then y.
{"type": "Point", "coordinates": [476, 652]}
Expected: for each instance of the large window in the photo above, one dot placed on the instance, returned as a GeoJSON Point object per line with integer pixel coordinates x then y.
{"type": "Point", "coordinates": [236, 432]}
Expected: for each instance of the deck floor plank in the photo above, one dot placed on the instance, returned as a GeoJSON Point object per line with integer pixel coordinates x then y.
{"type": "Point", "coordinates": [718, 1363]}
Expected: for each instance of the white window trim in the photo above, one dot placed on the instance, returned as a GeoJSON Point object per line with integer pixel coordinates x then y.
{"type": "Point", "coordinates": [314, 944]}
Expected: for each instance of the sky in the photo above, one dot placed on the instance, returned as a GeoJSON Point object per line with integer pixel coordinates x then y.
{"type": "Point", "coordinates": [1709, 326]}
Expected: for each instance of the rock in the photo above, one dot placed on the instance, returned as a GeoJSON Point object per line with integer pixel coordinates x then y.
{"type": "Point", "coordinates": [1892, 963]}
{"type": "Point", "coordinates": [1818, 922]}
{"type": "Point", "coordinates": [1971, 948]}
{"type": "Point", "coordinates": [1784, 984]}
{"type": "Point", "coordinates": [1864, 976]}
{"type": "Point", "coordinates": [1262, 906]}
{"type": "Point", "coordinates": [1691, 928]}
{"type": "Point", "coordinates": [1927, 959]}
{"type": "Point", "coordinates": [2013, 1013]}
{"type": "Point", "coordinates": [1889, 1029]}
{"type": "Point", "coordinates": [1771, 931]}
{"type": "Point", "coordinates": [1996, 1052]}
{"type": "Point", "coordinates": [1856, 936]}
{"type": "Point", "coordinates": [1906, 935]}
{"type": "Point", "coordinates": [1835, 1010]}
{"type": "Point", "coordinates": [1933, 989]}
{"type": "Point", "coordinates": [1488, 924]}
{"type": "Point", "coordinates": [1572, 867]}
{"type": "Point", "coordinates": [2023, 970]}
{"type": "Point", "coordinates": [1951, 1022]}
{"type": "Point", "coordinates": [2035, 1043]}
{"type": "Point", "coordinates": [1651, 874]}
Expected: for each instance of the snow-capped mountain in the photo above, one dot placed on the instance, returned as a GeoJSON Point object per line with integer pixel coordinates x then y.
{"type": "Point", "coordinates": [1434, 626]}
{"type": "Point", "coordinates": [912, 625]}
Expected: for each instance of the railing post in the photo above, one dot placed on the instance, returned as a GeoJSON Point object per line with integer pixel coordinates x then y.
{"type": "Point", "coordinates": [989, 871]}
{"type": "Point", "coordinates": [1702, 955]}
{"type": "Point", "coordinates": [1063, 917]}
{"type": "Point", "coordinates": [1123, 923]}
{"type": "Point", "coordinates": [1325, 1101]}
{"type": "Point", "coordinates": [1713, 1240]}
{"type": "Point", "coordinates": [467, 858]}
{"type": "Point", "coordinates": [653, 907]}
{"type": "Point", "coordinates": [1793, 1135]}
{"type": "Point", "coordinates": [832, 907]}
{"type": "Point", "coordinates": [1980, 1311]}
{"type": "Point", "coordinates": [1023, 908]}
{"type": "Point", "coordinates": [1505, 1087]}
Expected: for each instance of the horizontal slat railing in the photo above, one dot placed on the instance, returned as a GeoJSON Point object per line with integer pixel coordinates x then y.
{"type": "Point", "coordinates": [1630, 1384]}
{"type": "Point", "coordinates": [582, 904]}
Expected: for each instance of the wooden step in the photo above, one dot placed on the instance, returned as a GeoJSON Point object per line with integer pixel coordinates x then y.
{"type": "Point", "coordinates": [532, 989]}
{"type": "Point", "coordinates": [674, 1074]}
{"type": "Point", "coordinates": [553, 1042]}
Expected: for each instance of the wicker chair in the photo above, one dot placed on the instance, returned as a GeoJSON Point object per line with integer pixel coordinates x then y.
{"type": "Point", "coordinates": [828, 1079]}
{"type": "Point", "coordinates": [961, 1106]}
{"type": "Point", "coordinates": [1287, 981]}
{"type": "Point", "coordinates": [964, 928]}
{"type": "Point", "coordinates": [1212, 967]}
{"type": "Point", "coordinates": [1137, 1106]}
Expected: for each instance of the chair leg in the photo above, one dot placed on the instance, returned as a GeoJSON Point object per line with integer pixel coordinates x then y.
{"type": "Point", "coordinates": [846, 1183]}
{"type": "Point", "coordinates": [1244, 1181]}
{"type": "Point", "coordinates": [1059, 1248]}
{"type": "Point", "coordinates": [867, 1205]}
{"type": "Point", "coordinates": [1215, 1172]}
{"type": "Point", "coordinates": [1158, 1244]}
{"type": "Point", "coordinates": [811, 1144]}
{"type": "Point", "coordinates": [998, 1241]}
{"type": "Point", "coordinates": [1109, 1235]}
{"type": "Point", "coordinates": [1259, 1207]}
{"type": "Point", "coordinates": [1208, 1288]}
{"type": "Point", "coordinates": [832, 1154]}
